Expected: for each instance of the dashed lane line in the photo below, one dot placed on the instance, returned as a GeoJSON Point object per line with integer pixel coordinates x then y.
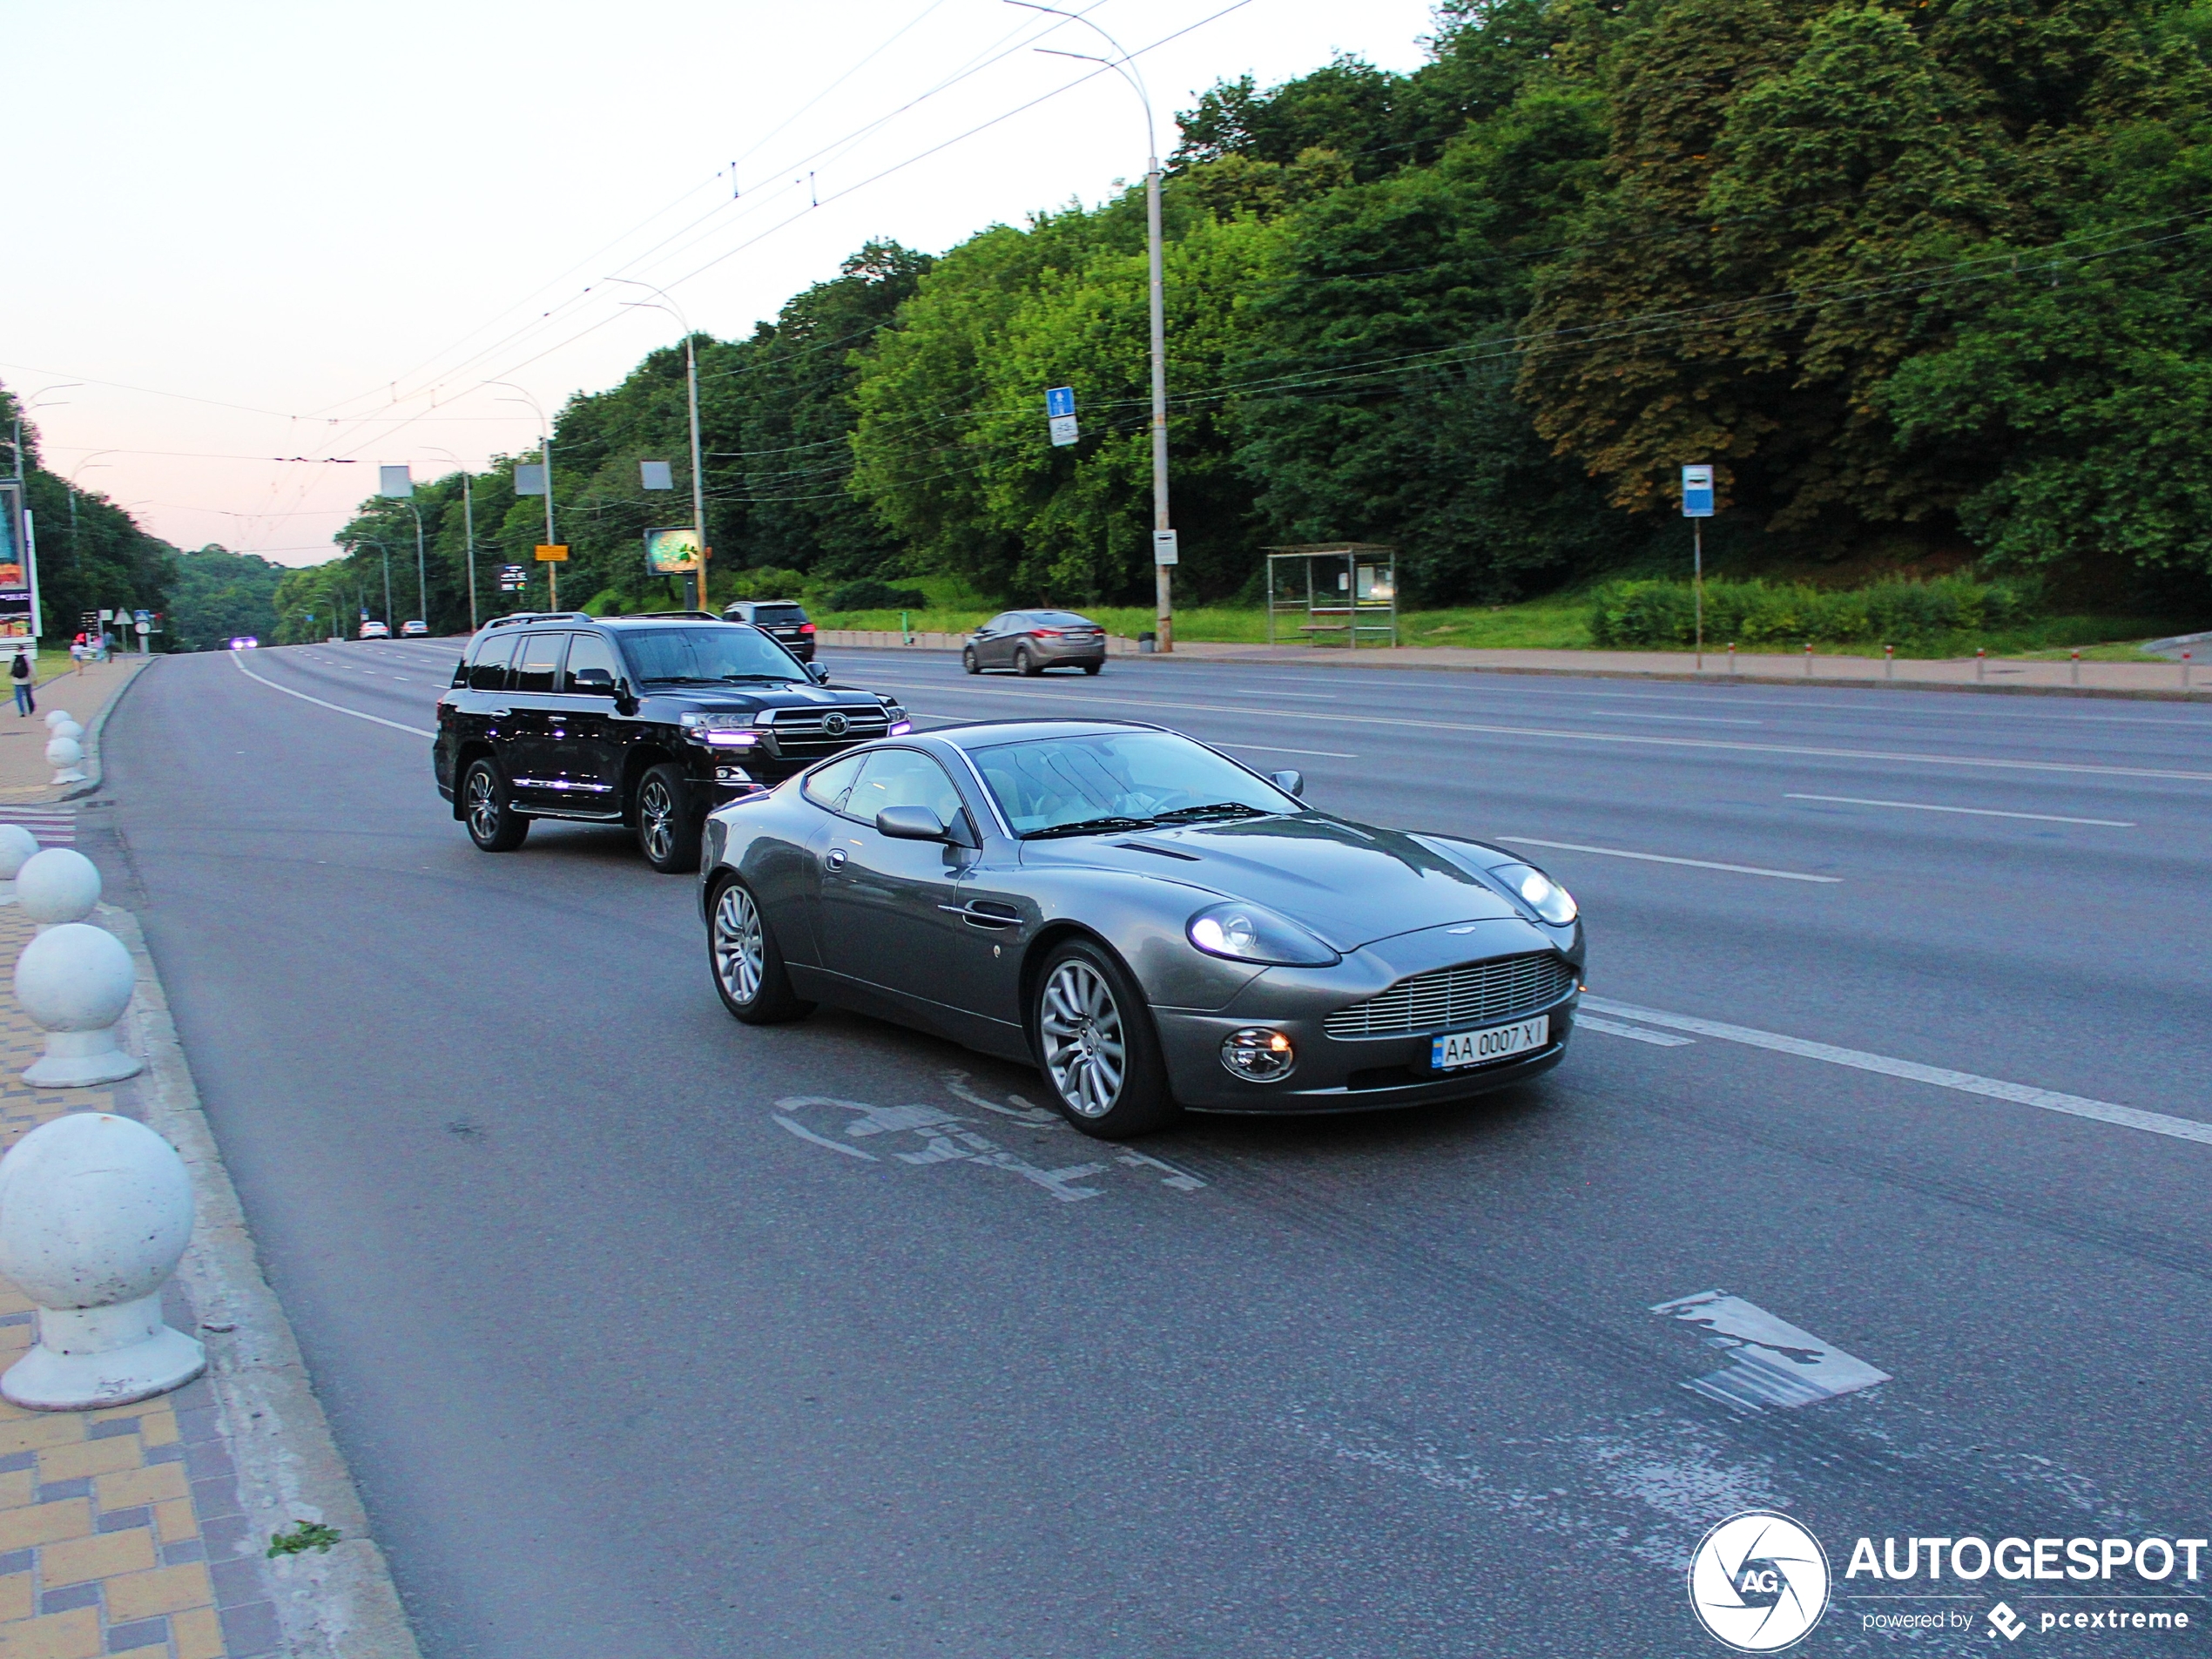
{"type": "Point", "coordinates": [1634, 739]}
{"type": "Point", "coordinates": [2048, 1099]}
{"type": "Point", "coordinates": [1661, 857]}
{"type": "Point", "coordinates": [335, 708]}
{"type": "Point", "coordinates": [1969, 812]}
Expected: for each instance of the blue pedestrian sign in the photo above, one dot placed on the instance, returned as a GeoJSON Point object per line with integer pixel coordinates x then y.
{"type": "Point", "coordinates": [1060, 400]}
{"type": "Point", "coordinates": [1060, 414]}
{"type": "Point", "coordinates": [1696, 492]}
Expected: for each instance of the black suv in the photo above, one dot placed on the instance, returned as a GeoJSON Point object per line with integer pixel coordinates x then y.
{"type": "Point", "coordinates": [783, 618]}
{"type": "Point", "coordinates": [649, 721]}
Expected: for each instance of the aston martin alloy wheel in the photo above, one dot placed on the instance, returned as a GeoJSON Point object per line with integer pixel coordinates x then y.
{"type": "Point", "coordinates": [668, 827]}
{"type": "Point", "coordinates": [493, 825]}
{"type": "Point", "coordinates": [748, 967]}
{"type": "Point", "coordinates": [1095, 1045]}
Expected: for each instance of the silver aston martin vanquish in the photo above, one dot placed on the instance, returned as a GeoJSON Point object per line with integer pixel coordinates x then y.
{"type": "Point", "coordinates": [1150, 924]}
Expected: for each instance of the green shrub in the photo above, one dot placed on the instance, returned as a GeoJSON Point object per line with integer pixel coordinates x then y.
{"type": "Point", "coordinates": [764, 581]}
{"type": "Point", "coordinates": [869, 594]}
{"type": "Point", "coordinates": [1752, 613]}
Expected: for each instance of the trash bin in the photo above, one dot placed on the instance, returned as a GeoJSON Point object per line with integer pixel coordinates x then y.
{"type": "Point", "coordinates": [1148, 642]}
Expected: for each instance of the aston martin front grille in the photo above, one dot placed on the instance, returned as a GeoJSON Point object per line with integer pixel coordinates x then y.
{"type": "Point", "coordinates": [822, 732]}
{"type": "Point", "coordinates": [1473, 994]}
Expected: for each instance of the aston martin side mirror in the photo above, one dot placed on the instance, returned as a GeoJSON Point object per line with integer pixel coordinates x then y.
{"type": "Point", "coordinates": [909, 824]}
{"type": "Point", "coordinates": [1291, 782]}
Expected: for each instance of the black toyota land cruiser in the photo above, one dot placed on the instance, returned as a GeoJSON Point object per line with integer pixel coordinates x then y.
{"type": "Point", "coordinates": [648, 721]}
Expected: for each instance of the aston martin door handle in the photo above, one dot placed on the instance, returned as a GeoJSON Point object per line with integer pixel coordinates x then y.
{"type": "Point", "coordinates": [834, 858]}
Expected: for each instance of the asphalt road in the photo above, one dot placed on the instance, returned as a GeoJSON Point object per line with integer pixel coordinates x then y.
{"type": "Point", "coordinates": [1907, 994]}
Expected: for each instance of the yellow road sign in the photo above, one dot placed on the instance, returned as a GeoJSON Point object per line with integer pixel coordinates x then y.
{"type": "Point", "coordinates": [558, 553]}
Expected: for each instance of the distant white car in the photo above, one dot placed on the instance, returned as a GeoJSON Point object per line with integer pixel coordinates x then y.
{"type": "Point", "coordinates": [376, 630]}
{"type": "Point", "coordinates": [244, 642]}
{"type": "Point", "coordinates": [415, 630]}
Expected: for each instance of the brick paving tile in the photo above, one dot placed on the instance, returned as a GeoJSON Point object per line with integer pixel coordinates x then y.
{"type": "Point", "coordinates": [75, 1560]}
{"type": "Point", "coordinates": [67, 1636]}
{"type": "Point", "coordinates": [165, 1589]}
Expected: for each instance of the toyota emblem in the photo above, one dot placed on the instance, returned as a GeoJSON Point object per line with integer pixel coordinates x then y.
{"type": "Point", "coordinates": [835, 725]}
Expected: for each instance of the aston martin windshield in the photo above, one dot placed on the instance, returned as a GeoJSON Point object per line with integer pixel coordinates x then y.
{"type": "Point", "coordinates": [1120, 780]}
{"type": "Point", "coordinates": [706, 656]}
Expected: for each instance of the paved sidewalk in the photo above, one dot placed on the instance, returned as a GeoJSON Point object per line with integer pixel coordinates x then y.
{"type": "Point", "coordinates": [25, 775]}
{"type": "Point", "coordinates": [142, 1529]}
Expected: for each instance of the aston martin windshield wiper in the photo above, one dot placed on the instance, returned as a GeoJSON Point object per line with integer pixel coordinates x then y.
{"type": "Point", "coordinates": [1219, 809]}
{"type": "Point", "coordinates": [1088, 827]}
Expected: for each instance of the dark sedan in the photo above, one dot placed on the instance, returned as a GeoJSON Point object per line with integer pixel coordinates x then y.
{"type": "Point", "coordinates": [1150, 923]}
{"type": "Point", "coordinates": [1028, 641]}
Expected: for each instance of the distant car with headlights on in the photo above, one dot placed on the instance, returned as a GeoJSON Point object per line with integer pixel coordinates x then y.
{"type": "Point", "coordinates": [1150, 924]}
{"type": "Point", "coordinates": [414, 629]}
{"type": "Point", "coordinates": [376, 630]}
{"type": "Point", "coordinates": [1028, 641]}
{"type": "Point", "coordinates": [244, 642]}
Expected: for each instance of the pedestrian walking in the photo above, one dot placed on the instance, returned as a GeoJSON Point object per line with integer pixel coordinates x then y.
{"type": "Point", "coordinates": [23, 676]}
{"type": "Point", "coordinates": [78, 650]}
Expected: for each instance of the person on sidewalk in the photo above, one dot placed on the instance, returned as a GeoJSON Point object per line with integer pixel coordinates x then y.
{"type": "Point", "coordinates": [23, 676]}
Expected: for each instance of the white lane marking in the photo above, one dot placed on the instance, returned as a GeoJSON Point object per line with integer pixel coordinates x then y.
{"type": "Point", "coordinates": [1807, 750]}
{"type": "Point", "coordinates": [1658, 1039]}
{"type": "Point", "coordinates": [1775, 1362]}
{"type": "Point", "coordinates": [1661, 857]}
{"type": "Point", "coordinates": [335, 708]}
{"type": "Point", "coordinates": [1970, 811]}
{"type": "Point", "coordinates": [806, 1134]}
{"type": "Point", "coordinates": [2104, 1111]}
{"type": "Point", "coordinates": [1694, 719]}
{"type": "Point", "coordinates": [1278, 749]}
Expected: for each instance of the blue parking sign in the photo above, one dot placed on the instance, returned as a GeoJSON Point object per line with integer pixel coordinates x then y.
{"type": "Point", "coordinates": [1060, 400]}
{"type": "Point", "coordinates": [1696, 492]}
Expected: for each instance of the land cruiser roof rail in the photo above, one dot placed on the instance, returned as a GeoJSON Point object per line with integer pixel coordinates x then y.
{"type": "Point", "coordinates": [660, 616]}
{"type": "Point", "coordinates": [519, 617]}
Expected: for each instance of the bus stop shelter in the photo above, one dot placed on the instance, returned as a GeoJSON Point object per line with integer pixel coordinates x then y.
{"type": "Point", "coordinates": [1333, 592]}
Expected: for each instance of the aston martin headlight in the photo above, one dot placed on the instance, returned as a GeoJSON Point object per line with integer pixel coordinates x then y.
{"type": "Point", "coordinates": [1539, 892]}
{"type": "Point", "coordinates": [1246, 932]}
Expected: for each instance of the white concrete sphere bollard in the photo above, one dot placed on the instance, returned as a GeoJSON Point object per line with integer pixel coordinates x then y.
{"type": "Point", "coordinates": [95, 1212]}
{"type": "Point", "coordinates": [64, 754]}
{"type": "Point", "coordinates": [58, 885]}
{"type": "Point", "coordinates": [17, 846]}
{"type": "Point", "coordinates": [68, 728]}
{"type": "Point", "coordinates": [55, 717]}
{"type": "Point", "coordinates": [74, 981]}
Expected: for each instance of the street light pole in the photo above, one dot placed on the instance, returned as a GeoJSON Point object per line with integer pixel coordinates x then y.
{"type": "Point", "coordinates": [545, 462]}
{"type": "Point", "coordinates": [1163, 578]}
{"type": "Point", "coordinates": [468, 530]}
{"type": "Point", "coordinates": [694, 582]}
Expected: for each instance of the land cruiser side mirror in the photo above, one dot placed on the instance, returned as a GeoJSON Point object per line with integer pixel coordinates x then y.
{"type": "Point", "coordinates": [818, 672]}
{"type": "Point", "coordinates": [1291, 782]}
{"type": "Point", "coordinates": [626, 699]}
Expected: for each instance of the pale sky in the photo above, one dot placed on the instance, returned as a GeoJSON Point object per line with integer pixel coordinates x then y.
{"type": "Point", "coordinates": [328, 227]}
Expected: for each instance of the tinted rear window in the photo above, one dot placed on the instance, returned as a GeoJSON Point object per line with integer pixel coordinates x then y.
{"type": "Point", "coordinates": [1060, 619]}
{"type": "Point", "coordinates": [778, 616]}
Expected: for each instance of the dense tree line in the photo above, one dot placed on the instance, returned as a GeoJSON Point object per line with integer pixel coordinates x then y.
{"type": "Point", "coordinates": [1926, 282]}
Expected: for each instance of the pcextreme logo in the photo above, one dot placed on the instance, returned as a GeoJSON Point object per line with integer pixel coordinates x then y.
{"type": "Point", "coordinates": [1758, 1582]}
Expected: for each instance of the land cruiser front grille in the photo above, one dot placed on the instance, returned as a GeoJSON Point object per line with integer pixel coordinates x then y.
{"type": "Point", "coordinates": [807, 732]}
{"type": "Point", "coordinates": [1473, 993]}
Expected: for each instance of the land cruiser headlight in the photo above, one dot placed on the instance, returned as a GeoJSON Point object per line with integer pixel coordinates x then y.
{"type": "Point", "coordinates": [1539, 892]}
{"type": "Point", "coordinates": [720, 730]}
{"type": "Point", "coordinates": [1246, 932]}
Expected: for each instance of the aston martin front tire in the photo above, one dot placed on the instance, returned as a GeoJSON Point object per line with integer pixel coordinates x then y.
{"type": "Point", "coordinates": [747, 964]}
{"type": "Point", "coordinates": [1095, 1045]}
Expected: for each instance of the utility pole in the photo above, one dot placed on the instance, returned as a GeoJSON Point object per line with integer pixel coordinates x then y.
{"type": "Point", "coordinates": [694, 581]}
{"type": "Point", "coordinates": [545, 462]}
{"type": "Point", "coordinates": [1163, 578]}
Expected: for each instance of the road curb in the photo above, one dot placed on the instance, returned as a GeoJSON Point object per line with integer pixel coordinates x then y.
{"type": "Point", "coordinates": [339, 1604]}
{"type": "Point", "coordinates": [91, 764]}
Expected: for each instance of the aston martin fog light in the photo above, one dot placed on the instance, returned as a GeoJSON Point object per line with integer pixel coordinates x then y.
{"type": "Point", "coordinates": [1258, 1053]}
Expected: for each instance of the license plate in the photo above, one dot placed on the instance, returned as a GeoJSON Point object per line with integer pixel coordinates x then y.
{"type": "Point", "coordinates": [1459, 1049]}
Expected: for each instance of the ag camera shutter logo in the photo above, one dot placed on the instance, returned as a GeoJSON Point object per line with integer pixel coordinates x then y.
{"type": "Point", "coordinates": [1758, 1582]}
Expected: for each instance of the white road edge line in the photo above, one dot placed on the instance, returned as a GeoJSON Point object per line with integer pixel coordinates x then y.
{"type": "Point", "coordinates": [1278, 749]}
{"type": "Point", "coordinates": [1661, 858]}
{"type": "Point", "coordinates": [2104, 1111]}
{"type": "Point", "coordinates": [1970, 811]}
{"type": "Point", "coordinates": [1658, 1039]}
{"type": "Point", "coordinates": [335, 708]}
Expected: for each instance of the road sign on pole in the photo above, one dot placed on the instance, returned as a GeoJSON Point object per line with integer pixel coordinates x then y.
{"type": "Point", "coordinates": [1697, 507]}
{"type": "Point", "coordinates": [394, 480]}
{"type": "Point", "coordinates": [1060, 414]}
{"type": "Point", "coordinates": [552, 554]}
{"type": "Point", "coordinates": [1165, 548]}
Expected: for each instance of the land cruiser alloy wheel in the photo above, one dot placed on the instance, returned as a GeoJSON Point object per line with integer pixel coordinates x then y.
{"type": "Point", "coordinates": [748, 966]}
{"type": "Point", "coordinates": [1095, 1045]}
{"type": "Point", "coordinates": [668, 825]}
{"type": "Point", "coordinates": [493, 825]}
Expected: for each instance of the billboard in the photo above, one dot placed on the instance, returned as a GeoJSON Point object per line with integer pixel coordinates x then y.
{"type": "Point", "coordinates": [18, 567]}
{"type": "Point", "coordinates": [675, 552]}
